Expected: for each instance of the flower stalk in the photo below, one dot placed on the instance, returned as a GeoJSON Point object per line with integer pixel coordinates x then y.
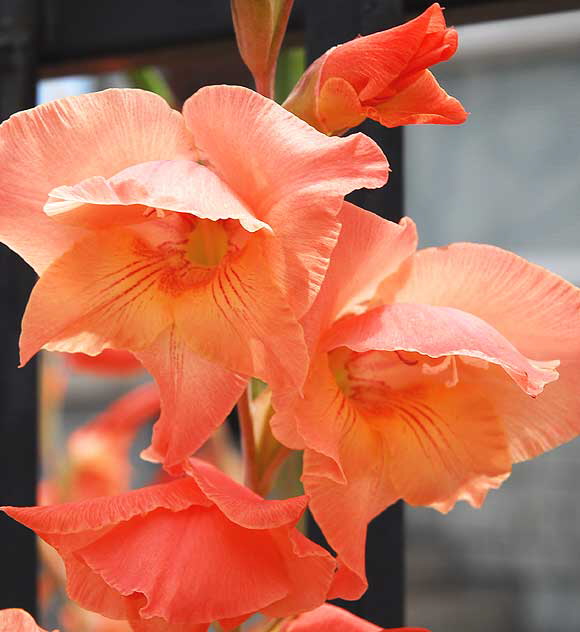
{"type": "Point", "coordinates": [248, 441]}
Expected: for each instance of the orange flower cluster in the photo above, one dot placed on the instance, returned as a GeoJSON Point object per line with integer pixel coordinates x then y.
{"type": "Point", "coordinates": [214, 246]}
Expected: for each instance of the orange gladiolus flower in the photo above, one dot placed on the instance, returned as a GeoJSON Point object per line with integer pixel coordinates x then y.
{"type": "Point", "coordinates": [382, 76]}
{"type": "Point", "coordinates": [180, 555]}
{"type": "Point", "coordinates": [99, 450]}
{"type": "Point", "coordinates": [195, 242]}
{"type": "Point", "coordinates": [427, 380]}
{"type": "Point", "coordinates": [16, 620]}
{"type": "Point", "coordinates": [330, 618]}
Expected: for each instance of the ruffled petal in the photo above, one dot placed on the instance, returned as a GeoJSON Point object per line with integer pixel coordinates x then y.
{"type": "Point", "coordinates": [534, 309]}
{"type": "Point", "coordinates": [196, 397]}
{"type": "Point", "coordinates": [87, 518]}
{"type": "Point", "coordinates": [182, 585]}
{"type": "Point", "coordinates": [533, 425]}
{"type": "Point", "coordinates": [183, 186]}
{"type": "Point", "coordinates": [310, 570]}
{"type": "Point", "coordinates": [292, 176]}
{"type": "Point", "coordinates": [158, 553]}
{"type": "Point", "coordinates": [16, 620]}
{"type": "Point", "coordinates": [437, 332]}
{"type": "Point", "coordinates": [241, 505]}
{"type": "Point", "coordinates": [104, 292]}
{"type": "Point", "coordinates": [68, 140]}
{"type": "Point", "coordinates": [368, 249]}
{"type": "Point", "coordinates": [423, 101]}
{"type": "Point", "coordinates": [343, 509]}
{"type": "Point", "coordinates": [92, 593]}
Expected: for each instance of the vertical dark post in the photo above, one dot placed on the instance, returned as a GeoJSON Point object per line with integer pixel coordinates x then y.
{"type": "Point", "coordinates": [18, 387]}
{"type": "Point", "coordinates": [330, 22]}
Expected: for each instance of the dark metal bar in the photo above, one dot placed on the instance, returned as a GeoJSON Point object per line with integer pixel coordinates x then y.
{"type": "Point", "coordinates": [114, 33]}
{"type": "Point", "coordinates": [330, 22]}
{"type": "Point", "coordinates": [18, 387]}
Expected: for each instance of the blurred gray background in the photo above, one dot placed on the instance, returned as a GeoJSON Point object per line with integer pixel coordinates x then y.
{"type": "Point", "coordinates": [510, 176]}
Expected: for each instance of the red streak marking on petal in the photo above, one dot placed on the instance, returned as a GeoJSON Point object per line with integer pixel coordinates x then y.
{"type": "Point", "coordinates": [216, 301]}
{"type": "Point", "coordinates": [223, 291]}
{"type": "Point", "coordinates": [111, 302]}
{"type": "Point", "coordinates": [129, 274]}
{"type": "Point", "coordinates": [407, 362]}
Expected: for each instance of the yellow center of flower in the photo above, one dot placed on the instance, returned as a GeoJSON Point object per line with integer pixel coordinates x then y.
{"type": "Point", "coordinates": [207, 243]}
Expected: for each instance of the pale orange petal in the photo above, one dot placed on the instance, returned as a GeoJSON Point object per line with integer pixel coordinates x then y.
{"type": "Point", "coordinates": [344, 509]}
{"type": "Point", "coordinates": [182, 186]}
{"type": "Point", "coordinates": [445, 444]}
{"type": "Point", "coordinates": [535, 310]}
{"type": "Point", "coordinates": [344, 473]}
{"type": "Point", "coordinates": [533, 425]}
{"type": "Point", "coordinates": [368, 249]}
{"type": "Point", "coordinates": [196, 397]}
{"type": "Point", "coordinates": [437, 331]}
{"type": "Point", "coordinates": [292, 176]}
{"type": "Point", "coordinates": [16, 620]}
{"type": "Point", "coordinates": [242, 321]}
{"type": "Point", "coordinates": [71, 139]}
{"type": "Point", "coordinates": [102, 293]}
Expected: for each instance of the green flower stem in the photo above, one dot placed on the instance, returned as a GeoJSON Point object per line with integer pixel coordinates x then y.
{"type": "Point", "coordinates": [248, 441]}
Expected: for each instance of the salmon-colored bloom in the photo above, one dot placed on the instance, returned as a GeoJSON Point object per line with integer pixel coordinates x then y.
{"type": "Point", "coordinates": [195, 242]}
{"type": "Point", "coordinates": [428, 376]}
{"type": "Point", "coordinates": [16, 620]}
{"type": "Point", "coordinates": [179, 555]}
{"type": "Point", "coordinates": [99, 450]}
{"type": "Point", "coordinates": [260, 26]}
{"type": "Point", "coordinates": [330, 618]}
{"type": "Point", "coordinates": [382, 76]}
